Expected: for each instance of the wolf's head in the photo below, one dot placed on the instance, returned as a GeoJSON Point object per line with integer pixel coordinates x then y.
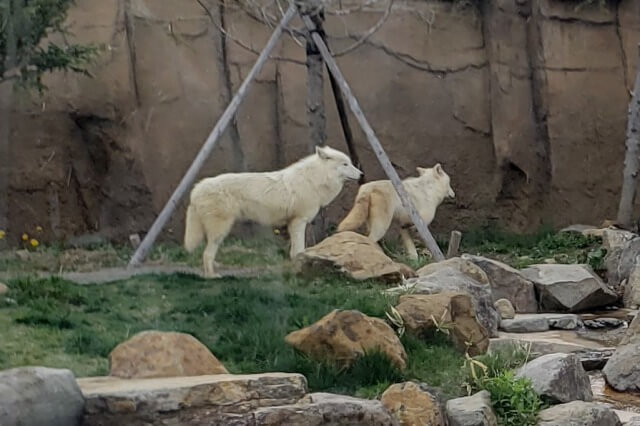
{"type": "Point", "coordinates": [439, 178]}
{"type": "Point", "coordinates": [338, 161]}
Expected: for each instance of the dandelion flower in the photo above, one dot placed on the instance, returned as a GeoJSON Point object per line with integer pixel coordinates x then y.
{"type": "Point", "coordinates": [2, 234]}
{"type": "Point", "coordinates": [34, 243]}
{"type": "Point", "coordinates": [25, 237]}
{"type": "Point", "coordinates": [39, 228]}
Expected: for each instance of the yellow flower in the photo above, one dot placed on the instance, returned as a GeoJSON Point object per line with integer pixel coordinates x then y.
{"type": "Point", "coordinates": [276, 231]}
{"type": "Point", "coordinates": [39, 228]}
{"type": "Point", "coordinates": [25, 237]}
{"type": "Point", "coordinates": [34, 243]}
{"type": "Point", "coordinates": [2, 234]}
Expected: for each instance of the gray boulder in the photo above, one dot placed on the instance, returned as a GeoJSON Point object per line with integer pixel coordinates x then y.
{"type": "Point", "coordinates": [39, 396]}
{"type": "Point", "coordinates": [621, 258]}
{"type": "Point", "coordinates": [622, 371]}
{"type": "Point", "coordinates": [505, 309]}
{"type": "Point", "coordinates": [508, 283]}
{"type": "Point", "coordinates": [449, 279]}
{"type": "Point", "coordinates": [558, 378]}
{"type": "Point", "coordinates": [578, 413]}
{"type": "Point", "coordinates": [474, 410]}
{"type": "Point", "coordinates": [569, 287]}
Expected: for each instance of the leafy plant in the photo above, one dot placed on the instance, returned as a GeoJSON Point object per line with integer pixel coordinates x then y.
{"type": "Point", "coordinates": [514, 400]}
{"type": "Point", "coordinates": [24, 24]}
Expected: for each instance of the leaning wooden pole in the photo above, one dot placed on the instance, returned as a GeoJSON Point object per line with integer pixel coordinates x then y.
{"type": "Point", "coordinates": [375, 143]}
{"type": "Point", "coordinates": [632, 157]}
{"type": "Point", "coordinates": [191, 175]}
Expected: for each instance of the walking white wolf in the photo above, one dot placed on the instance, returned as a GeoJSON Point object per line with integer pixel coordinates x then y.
{"type": "Point", "coordinates": [291, 196]}
{"type": "Point", "coordinates": [377, 204]}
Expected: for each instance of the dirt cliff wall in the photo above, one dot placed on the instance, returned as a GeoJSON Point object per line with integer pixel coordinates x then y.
{"type": "Point", "coordinates": [523, 102]}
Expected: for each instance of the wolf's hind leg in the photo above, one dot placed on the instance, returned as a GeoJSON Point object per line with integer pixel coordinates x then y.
{"type": "Point", "coordinates": [217, 229]}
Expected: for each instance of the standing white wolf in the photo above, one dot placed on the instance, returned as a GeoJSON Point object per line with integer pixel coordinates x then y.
{"type": "Point", "coordinates": [377, 204]}
{"type": "Point", "coordinates": [291, 196]}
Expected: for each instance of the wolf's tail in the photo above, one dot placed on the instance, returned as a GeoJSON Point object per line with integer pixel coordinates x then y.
{"type": "Point", "coordinates": [358, 214]}
{"type": "Point", "coordinates": [194, 231]}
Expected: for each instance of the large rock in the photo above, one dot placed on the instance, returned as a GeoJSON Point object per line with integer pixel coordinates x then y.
{"type": "Point", "coordinates": [558, 378]}
{"type": "Point", "coordinates": [342, 336]}
{"type": "Point", "coordinates": [569, 287]}
{"type": "Point", "coordinates": [327, 409]}
{"type": "Point", "coordinates": [505, 309]}
{"type": "Point", "coordinates": [39, 396]}
{"type": "Point", "coordinates": [449, 279]}
{"type": "Point", "coordinates": [508, 283]}
{"type": "Point", "coordinates": [413, 404]}
{"type": "Point", "coordinates": [525, 325]}
{"type": "Point", "coordinates": [474, 410]}
{"type": "Point", "coordinates": [622, 371]}
{"type": "Point", "coordinates": [220, 399]}
{"type": "Point", "coordinates": [578, 413]}
{"type": "Point", "coordinates": [461, 264]}
{"type": "Point", "coordinates": [621, 259]}
{"type": "Point", "coordinates": [454, 311]}
{"type": "Point", "coordinates": [163, 354]}
{"type": "Point", "coordinates": [354, 255]}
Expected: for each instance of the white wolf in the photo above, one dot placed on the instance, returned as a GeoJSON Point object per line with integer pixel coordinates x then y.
{"type": "Point", "coordinates": [291, 196]}
{"type": "Point", "coordinates": [378, 204]}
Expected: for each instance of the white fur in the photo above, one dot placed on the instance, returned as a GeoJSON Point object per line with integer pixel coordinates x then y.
{"type": "Point", "coordinates": [378, 204]}
{"type": "Point", "coordinates": [291, 196]}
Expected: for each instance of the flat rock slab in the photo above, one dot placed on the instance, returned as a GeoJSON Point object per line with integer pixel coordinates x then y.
{"type": "Point", "coordinates": [525, 325]}
{"type": "Point", "coordinates": [556, 321]}
{"type": "Point", "coordinates": [186, 400]}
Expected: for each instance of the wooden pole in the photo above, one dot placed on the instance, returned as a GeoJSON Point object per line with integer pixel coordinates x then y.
{"type": "Point", "coordinates": [375, 144]}
{"type": "Point", "coordinates": [632, 157]}
{"type": "Point", "coordinates": [344, 120]}
{"type": "Point", "coordinates": [188, 179]}
{"type": "Point", "coordinates": [454, 244]}
{"type": "Point", "coordinates": [316, 112]}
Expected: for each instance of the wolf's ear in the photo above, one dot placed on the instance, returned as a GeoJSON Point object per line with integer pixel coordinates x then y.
{"type": "Point", "coordinates": [421, 170]}
{"type": "Point", "coordinates": [438, 169]}
{"type": "Point", "coordinates": [320, 151]}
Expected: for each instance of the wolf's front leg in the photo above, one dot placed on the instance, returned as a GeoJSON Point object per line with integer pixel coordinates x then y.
{"type": "Point", "coordinates": [296, 233]}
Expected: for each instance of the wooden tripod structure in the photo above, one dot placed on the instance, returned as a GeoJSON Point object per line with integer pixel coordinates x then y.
{"type": "Point", "coordinates": [337, 80]}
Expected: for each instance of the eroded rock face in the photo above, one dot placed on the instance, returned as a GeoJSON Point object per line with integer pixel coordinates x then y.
{"type": "Point", "coordinates": [39, 396]}
{"type": "Point", "coordinates": [163, 354]}
{"type": "Point", "coordinates": [569, 287]}
{"type": "Point", "coordinates": [474, 410]}
{"type": "Point", "coordinates": [413, 404]}
{"type": "Point", "coordinates": [343, 336]}
{"type": "Point", "coordinates": [558, 377]}
{"type": "Point", "coordinates": [355, 255]}
{"type": "Point", "coordinates": [454, 311]}
{"type": "Point", "coordinates": [579, 413]}
{"type": "Point", "coordinates": [508, 283]}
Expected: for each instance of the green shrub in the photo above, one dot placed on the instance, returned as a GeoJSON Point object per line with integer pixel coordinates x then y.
{"type": "Point", "coordinates": [514, 400]}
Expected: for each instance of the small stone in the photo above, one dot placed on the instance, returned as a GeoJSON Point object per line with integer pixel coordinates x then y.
{"type": "Point", "coordinates": [4, 289]}
{"type": "Point", "coordinates": [474, 410]}
{"type": "Point", "coordinates": [564, 322]}
{"type": "Point", "coordinates": [413, 404]}
{"type": "Point", "coordinates": [601, 323]}
{"type": "Point", "coordinates": [505, 309]}
{"type": "Point", "coordinates": [525, 325]}
{"type": "Point", "coordinates": [134, 239]}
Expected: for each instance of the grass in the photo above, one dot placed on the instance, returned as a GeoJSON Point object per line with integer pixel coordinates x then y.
{"type": "Point", "coordinates": [243, 321]}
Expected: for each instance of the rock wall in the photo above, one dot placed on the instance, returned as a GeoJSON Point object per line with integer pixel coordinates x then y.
{"type": "Point", "coordinates": [523, 102]}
